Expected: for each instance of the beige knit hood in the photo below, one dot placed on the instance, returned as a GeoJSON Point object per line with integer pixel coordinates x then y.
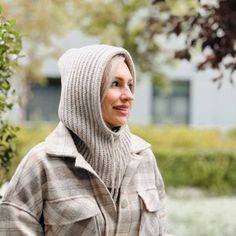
{"type": "Point", "coordinates": [81, 72]}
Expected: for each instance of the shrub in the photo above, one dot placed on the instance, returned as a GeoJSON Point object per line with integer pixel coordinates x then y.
{"type": "Point", "coordinates": [10, 47]}
{"type": "Point", "coordinates": [197, 158]}
{"type": "Point", "coordinates": [27, 137]}
{"type": "Point", "coordinates": [232, 133]}
{"type": "Point", "coordinates": [213, 170]}
{"type": "Point", "coordinates": [186, 157]}
{"type": "Point", "coordinates": [185, 138]}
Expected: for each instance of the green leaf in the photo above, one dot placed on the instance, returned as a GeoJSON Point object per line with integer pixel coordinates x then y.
{"type": "Point", "coordinates": [183, 7]}
{"type": "Point", "coordinates": [10, 46]}
{"type": "Point", "coordinates": [12, 23]}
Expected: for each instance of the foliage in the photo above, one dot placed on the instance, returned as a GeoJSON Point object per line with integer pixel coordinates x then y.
{"type": "Point", "coordinates": [232, 133]}
{"type": "Point", "coordinates": [196, 158]}
{"type": "Point", "coordinates": [185, 138]}
{"type": "Point", "coordinates": [213, 171]}
{"type": "Point", "coordinates": [10, 46]}
{"type": "Point", "coordinates": [26, 139]}
{"type": "Point", "coordinates": [212, 27]}
{"type": "Point", "coordinates": [124, 23]}
{"type": "Point", "coordinates": [200, 158]}
{"type": "Point", "coordinates": [45, 21]}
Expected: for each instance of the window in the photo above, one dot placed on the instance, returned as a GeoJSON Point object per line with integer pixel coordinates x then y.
{"type": "Point", "coordinates": [172, 107]}
{"type": "Point", "coordinates": [44, 102]}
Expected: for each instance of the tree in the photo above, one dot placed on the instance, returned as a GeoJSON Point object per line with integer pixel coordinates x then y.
{"type": "Point", "coordinates": [124, 23]}
{"type": "Point", "coordinates": [121, 23]}
{"type": "Point", "coordinates": [10, 46]}
{"type": "Point", "coordinates": [39, 22]}
{"type": "Point", "coordinates": [210, 27]}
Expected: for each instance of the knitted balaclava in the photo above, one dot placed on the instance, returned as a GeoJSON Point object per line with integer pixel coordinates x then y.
{"type": "Point", "coordinates": [81, 72]}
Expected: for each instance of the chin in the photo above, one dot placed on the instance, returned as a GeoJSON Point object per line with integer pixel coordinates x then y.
{"type": "Point", "coordinates": [117, 123]}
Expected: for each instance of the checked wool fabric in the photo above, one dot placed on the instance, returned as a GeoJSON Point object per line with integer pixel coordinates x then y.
{"type": "Point", "coordinates": [56, 192]}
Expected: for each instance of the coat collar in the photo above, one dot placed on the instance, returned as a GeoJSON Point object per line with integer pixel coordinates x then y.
{"type": "Point", "coordinates": [60, 143]}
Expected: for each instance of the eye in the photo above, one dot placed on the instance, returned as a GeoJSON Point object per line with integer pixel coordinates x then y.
{"type": "Point", "coordinates": [115, 84]}
{"type": "Point", "coordinates": [131, 86]}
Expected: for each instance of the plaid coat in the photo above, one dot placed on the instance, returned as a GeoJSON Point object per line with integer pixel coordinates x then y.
{"type": "Point", "coordinates": [56, 192]}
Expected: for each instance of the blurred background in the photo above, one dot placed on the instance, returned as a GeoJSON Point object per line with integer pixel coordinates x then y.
{"type": "Point", "coordinates": [184, 52]}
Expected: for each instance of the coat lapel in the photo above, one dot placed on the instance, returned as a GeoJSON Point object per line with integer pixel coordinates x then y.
{"type": "Point", "coordinates": [60, 143]}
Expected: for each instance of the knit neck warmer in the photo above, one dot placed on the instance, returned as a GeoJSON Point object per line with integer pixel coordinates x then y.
{"type": "Point", "coordinates": [107, 151]}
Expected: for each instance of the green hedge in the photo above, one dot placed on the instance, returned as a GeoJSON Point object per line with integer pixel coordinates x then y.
{"type": "Point", "coordinates": [186, 157]}
{"type": "Point", "coordinates": [214, 170]}
{"type": "Point", "coordinates": [27, 137]}
{"type": "Point", "coordinates": [186, 138]}
{"type": "Point", "coordinates": [193, 157]}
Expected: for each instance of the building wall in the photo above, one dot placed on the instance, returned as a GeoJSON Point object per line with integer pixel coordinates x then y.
{"type": "Point", "coordinates": [207, 107]}
{"type": "Point", "coordinates": [142, 109]}
{"type": "Point", "coordinates": [212, 107]}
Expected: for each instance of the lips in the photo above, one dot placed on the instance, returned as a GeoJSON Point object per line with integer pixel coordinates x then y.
{"type": "Point", "coordinates": [122, 109]}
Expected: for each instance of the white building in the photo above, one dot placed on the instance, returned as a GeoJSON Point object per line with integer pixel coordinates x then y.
{"type": "Point", "coordinates": [194, 100]}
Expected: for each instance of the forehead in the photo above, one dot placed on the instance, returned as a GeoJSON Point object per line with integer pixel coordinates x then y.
{"type": "Point", "coordinates": [122, 71]}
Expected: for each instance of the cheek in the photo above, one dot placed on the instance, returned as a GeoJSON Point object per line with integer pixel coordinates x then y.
{"type": "Point", "coordinates": [106, 107]}
{"type": "Point", "coordinates": [111, 97]}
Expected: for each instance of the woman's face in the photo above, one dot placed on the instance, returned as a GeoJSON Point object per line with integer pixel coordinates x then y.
{"type": "Point", "coordinates": [118, 97]}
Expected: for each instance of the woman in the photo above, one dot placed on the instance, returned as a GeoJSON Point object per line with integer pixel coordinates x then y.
{"type": "Point", "coordinates": [91, 176]}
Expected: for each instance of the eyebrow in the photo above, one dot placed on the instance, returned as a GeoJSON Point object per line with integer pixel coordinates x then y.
{"type": "Point", "coordinates": [119, 78]}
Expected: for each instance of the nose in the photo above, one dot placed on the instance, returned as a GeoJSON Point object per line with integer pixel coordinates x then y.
{"type": "Point", "coordinates": [127, 94]}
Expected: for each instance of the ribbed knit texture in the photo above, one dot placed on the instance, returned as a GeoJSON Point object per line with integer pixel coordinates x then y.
{"type": "Point", "coordinates": [81, 71]}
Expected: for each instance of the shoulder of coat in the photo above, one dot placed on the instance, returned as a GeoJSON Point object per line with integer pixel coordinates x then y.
{"type": "Point", "coordinates": [138, 144]}
{"type": "Point", "coordinates": [34, 159]}
{"type": "Point", "coordinates": [37, 151]}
